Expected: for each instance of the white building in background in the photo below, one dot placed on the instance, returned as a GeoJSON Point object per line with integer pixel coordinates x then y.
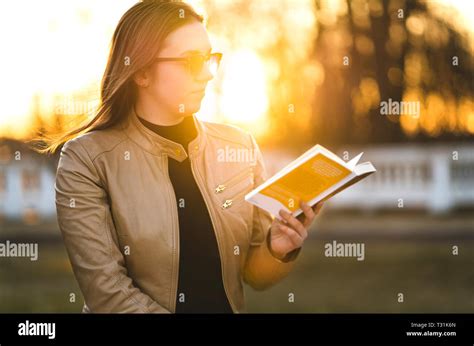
{"type": "Point", "coordinates": [26, 184]}
{"type": "Point", "coordinates": [437, 178]}
{"type": "Point", "coordinates": [434, 178]}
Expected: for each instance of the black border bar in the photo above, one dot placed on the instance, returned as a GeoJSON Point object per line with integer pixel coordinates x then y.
{"type": "Point", "coordinates": [291, 329]}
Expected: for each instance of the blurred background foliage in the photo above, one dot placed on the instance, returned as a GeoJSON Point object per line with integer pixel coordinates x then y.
{"type": "Point", "coordinates": [329, 64]}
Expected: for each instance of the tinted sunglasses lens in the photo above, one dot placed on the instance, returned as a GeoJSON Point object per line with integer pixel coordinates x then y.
{"type": "Point", "coordinates": [196, 64]}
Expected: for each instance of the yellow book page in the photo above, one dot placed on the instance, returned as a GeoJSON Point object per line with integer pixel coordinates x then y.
{"type": "Point", "coordinates": [306, 181]}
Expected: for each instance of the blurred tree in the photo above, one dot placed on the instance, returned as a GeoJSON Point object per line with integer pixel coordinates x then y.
{"type": "Point", "coordinates": [373, 51]}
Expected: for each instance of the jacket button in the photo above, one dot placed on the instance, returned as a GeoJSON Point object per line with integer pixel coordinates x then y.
{"type": "Point", "coordinates": [178, 151]}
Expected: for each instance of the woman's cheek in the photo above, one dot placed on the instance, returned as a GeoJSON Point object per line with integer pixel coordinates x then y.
{"type": "Point", "coordinates": [171, 87]}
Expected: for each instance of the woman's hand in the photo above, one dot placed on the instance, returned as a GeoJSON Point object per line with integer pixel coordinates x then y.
{"type": "Point", "coordinates": [290, 233]}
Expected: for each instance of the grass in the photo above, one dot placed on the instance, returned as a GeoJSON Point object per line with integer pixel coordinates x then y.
{"type": "Point", "coordinates": [430, 277]}
{"type": "Point", "coordinates": [44, 285]}
{"type": "Point", "coordinates": [426, 272]}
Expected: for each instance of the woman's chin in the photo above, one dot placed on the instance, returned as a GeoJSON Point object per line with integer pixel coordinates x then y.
{"type": "Point", "coordinates": [193, 106]}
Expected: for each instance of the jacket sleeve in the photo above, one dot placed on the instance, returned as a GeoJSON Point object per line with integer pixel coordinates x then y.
{"type": "Point", "coordinates": [262, 269]}
{"type": "Point", "coordinates": [89, 235]}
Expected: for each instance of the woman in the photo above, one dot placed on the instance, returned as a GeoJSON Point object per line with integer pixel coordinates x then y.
{"type": "Point", "coordinates": [151, 219]}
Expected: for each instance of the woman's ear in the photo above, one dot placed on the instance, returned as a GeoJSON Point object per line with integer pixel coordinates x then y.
{"type": "Point", "coordinates": [142, 78]}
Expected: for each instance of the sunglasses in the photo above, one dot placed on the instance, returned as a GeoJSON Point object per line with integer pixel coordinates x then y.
{"type": "Point", "coordinates": [196, 62]}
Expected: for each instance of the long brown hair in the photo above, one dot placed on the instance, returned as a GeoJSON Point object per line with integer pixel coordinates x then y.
{"type": "Point", "coordinates": [137, 39]}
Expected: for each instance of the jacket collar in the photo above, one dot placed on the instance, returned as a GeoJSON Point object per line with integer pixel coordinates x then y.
{"type": "Point", "coordinates": [158, 145]}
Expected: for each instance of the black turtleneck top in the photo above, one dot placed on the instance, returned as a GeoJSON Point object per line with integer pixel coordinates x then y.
{"type": "Point", "coordinates": [200, 285]}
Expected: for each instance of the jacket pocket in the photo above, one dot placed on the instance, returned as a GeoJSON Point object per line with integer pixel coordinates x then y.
{"type": "Point", "coordinates": [235, 200]}
{"type": "Point", "coordinates": [234, 180]}
{"type": "Point", "coordinates": [237, 214]}
{"type": "Point", "coordinates": [232, 191]}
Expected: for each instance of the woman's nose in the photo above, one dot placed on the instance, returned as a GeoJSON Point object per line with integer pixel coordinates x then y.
{"type": "Point", "coordinates": [205, 75]}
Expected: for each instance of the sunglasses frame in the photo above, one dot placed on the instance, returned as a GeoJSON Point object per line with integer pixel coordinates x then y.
{"type": "Point", "coordinates": [192, 69]}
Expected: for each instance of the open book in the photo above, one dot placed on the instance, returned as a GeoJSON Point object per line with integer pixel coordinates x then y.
{"type": "Point", "coordinates": [315, 176]}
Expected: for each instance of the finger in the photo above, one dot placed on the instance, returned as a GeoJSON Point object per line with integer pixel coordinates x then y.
{"type": "Point", "coordinates": [309, 214]}
{"type": "Point", "coordinates": [280, 221]}
{"type": "Point", "coordinates": [294, 223]}
{"type": "Point", "coordinates": [317, 207]}
{"type": "Point", "coordinates": [294, 236]}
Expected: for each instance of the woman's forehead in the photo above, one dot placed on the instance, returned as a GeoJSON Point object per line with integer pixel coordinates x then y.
{"type": "Point", "coordinates": [189, 39]}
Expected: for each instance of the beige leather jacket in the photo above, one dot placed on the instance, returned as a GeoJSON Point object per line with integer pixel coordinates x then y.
{"type": "Point", "coordinates": [118, 215]}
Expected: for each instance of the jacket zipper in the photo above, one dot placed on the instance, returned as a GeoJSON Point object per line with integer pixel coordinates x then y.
{"type": "Point", "coordinates": [211, 214]}
{"type": "Point", "coordinates": [232, 181]}
{"type": "Point", "coordinates": [174, 272]}
{"type": "Point", "coordinates": [234, 200]}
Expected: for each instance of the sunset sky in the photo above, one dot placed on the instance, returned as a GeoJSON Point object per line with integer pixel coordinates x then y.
{"type": "Point", "coordinates": [54, 51]}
